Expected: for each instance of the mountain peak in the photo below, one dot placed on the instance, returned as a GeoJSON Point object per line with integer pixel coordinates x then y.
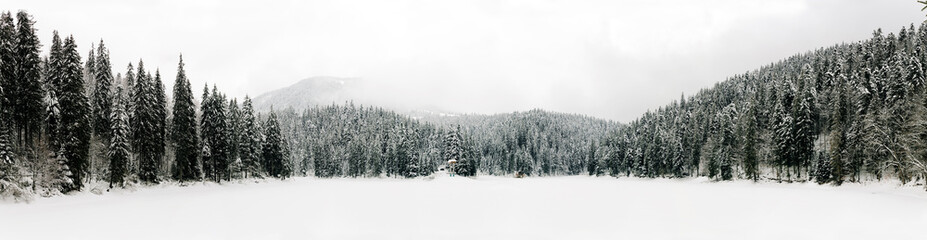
{"type": "Point", "coordinates": [313, 91]}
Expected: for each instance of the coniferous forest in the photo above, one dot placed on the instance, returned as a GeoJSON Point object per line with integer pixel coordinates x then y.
{"type": "Point", "coordinates": [852, 112]}
{"type": "Point", "coordinates": [67, 121]}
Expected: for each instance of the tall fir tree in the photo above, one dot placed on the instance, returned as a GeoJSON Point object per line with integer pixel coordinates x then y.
{"type": "Point", "coordinates": [214, 133]}
{"type": "Point", "coordinates": [118, 152]}
{"type": "Point", "coordinates": [27, 95]}
{"type": "Point", "coordinates": [206, 133]}
{"type": "Point", "coordinates": [160, 119]}
{"type": "Point", "coordinates": [275, 149]}
{"type": "Point", "coordinates": [234, 134]}
{"type": "Point", "coordinates": [147, 141]}
{"type": "Point", "coordinates": [7, 67]}
{"type": "Point", "coordinates": [74, 127]}
{"type": "Point", "coordinates": [183, 129]}
{"type": "Point", "coordinates": [102, 94]}
{"type": "Point", "coordinates": [750, 161]}
{"type": "Point", "coordinates": [249, 144]}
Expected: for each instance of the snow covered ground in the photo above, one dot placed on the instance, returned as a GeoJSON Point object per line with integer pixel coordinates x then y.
{"type": "Point", "coordinates": [577, 207]}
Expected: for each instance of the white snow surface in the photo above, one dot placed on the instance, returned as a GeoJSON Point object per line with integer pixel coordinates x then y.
{"type": "Point", "coordinates": [577, 207]}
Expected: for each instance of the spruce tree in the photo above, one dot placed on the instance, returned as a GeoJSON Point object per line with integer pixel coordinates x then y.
{"type": "Point", "coordinates": [147, 133]}
{"type": "Point", "coordinates": [750, 162]}
{"type": "Point", "coordinates": [183, 129]}
{"type": "Point", "coordinates": [803, 128]}
{"type": "Point", "coordinates": [274, 149]}
{"type": "Point", "coordinates": [206, 133]}
{"type": "Point", "coordinates": [90, 77]}
{"type": "Point", "coordinates": [214, 133]}
{"type": "Point", "coordinates": [118, 153]}
{"type": "Point", "coordinates": [838, 140]}
{"type": "Point", "coordinates": [102, 97]}
{"type": "Point", "coordinates": [248, 143]}
{"type": "Point", "coordinates": [822, 172]}
{"type": "Point", "coordinates": [74, 127]}
{"type": "Point", "coordinates": [234, 134]}
{"type": "Point", "coordinates": [452, 148]}
{"type": "Point", "coordinates": [26, 98]}
{"type": "Point", "coordinates": [160, 119]}
{"type": "Point", "coordinates": [7, 67]}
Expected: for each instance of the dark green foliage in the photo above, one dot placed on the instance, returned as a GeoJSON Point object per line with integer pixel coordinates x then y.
{"type": "Point", "coordinates": [102, 98]}
{"type": "Point", "coordinates": [822, 172]}
{"type": "Point", "coordinates": [118, 154]}
{"type": "Point", "coordinates": [275, 149]}
{"type": "Point", "coordinates": [147, 127]}
{"type": "Point", "coordinates": [748, 132]}
{"type": "Point", "coordinates": [183, 129]}
{"type": "Point", "coordinates": [74, 128]}
{"type": "Point", "coordinates": [214, 135]}
{"type": "Point", "coordinates": [26, 93]}
{"type": "Point", "coordinates": [249, 145]}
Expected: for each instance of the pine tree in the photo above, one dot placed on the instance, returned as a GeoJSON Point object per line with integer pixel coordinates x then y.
{"type": "Point", "coordinates": [452, 147]}
{"type": "Point", "coordinates": [234, 134]}
{"type": "Point", "coordinates": [248, 145]}
{"type": "Point", "coordinates": [822, 173]}
{"type": "Point", "coordinates": [274, 149]}
{"type": "Point", "coordinates": [750, 162]}
{"type": "Point", "coordinates": [102, 97]}
{"type": "Point", "coordinates": [147, 131]}
{"type": "Point", "coordinates": [214, 134]}
{"type": "Point", "coordinates": [74, 127]}
{"type": "Point", "coordinates": [838, 141]}
{"type": "Point", "coordinates": [183, 129]}
{"type": "Point", "coordinates": [90, 74]}
{"type": "Point", "coordinates": [160, 119]}
{"type": "Point", "coordinates": [119, 144]}
{"type": "Point", "coordinates": [7, 164]}
{"type": "Point", "coordinates": [7, 67]}
{"type": "Point", "coordinates": [26, 98]}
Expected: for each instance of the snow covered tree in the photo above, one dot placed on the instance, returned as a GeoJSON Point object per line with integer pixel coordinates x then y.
{"type": "Point", "coordinates": [749, 132]}
{"type": "Point", "coordinates": [159, 141]}
{"type": "Point", "coordinates": [7, 67]}
{"type": "Point", "coordinates": [803, 128]}
{"type": "Point", "coordinates": [249, 143]}
{"type": "Point", "coordinates": [26, 97]}
{"type": "Point", "coordinates": [147, 125]}
{"type": "Point", "coordinates": [452, 146]}
{"type": "Point", "coordinates": [838, 141]}
{"type": "Point", "coordinates": [214, 135]}
{"type": "Point", "coordinates": [90, 74]}
{"type": "Point", "coordinates": [74, 126]}
{"type": "Point", "coordinates": [183, 129]}
{"type": "Point", "coordinates": [118, 153]}
{"type": "Point", "coordinates": [234, 135]}
{"type": "Point", "coordinates": [822, 172]}
{"type": "Point", "coordinates": [274, 149]}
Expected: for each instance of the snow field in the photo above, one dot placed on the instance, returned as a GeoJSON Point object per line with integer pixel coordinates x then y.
{"type": "Point", "coordinates": [576, 207]}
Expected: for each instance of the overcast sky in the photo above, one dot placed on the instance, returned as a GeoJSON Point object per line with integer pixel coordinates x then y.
{"type": "Point", "coordinates": [609, 59]}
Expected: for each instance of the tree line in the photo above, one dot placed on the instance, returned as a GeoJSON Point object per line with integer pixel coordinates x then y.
{"type": "Point", "coordinates": [67, 121]}
{"type": "Point", "coordinates": [849, 112]}
{"type": "Point", "coordinates": [357, 141]}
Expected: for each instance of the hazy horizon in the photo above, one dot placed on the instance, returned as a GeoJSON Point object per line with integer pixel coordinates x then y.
{"type": "Point", "coordinates": [613, 60]}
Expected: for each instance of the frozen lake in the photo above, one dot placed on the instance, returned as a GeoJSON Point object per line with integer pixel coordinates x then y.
{"type": "Point", "coordinates": [576, 207]}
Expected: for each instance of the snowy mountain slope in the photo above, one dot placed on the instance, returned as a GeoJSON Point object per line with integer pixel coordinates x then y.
{"type": "Point", "coordinates": [310, 92]}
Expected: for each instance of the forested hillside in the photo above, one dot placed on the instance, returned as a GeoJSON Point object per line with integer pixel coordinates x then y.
{"type": "Point", "coordinates": [67, 123]}
{"type": "Point", "coordinates": [849, 112]}
{"type": "Point", "coordinates": [357, 141]}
